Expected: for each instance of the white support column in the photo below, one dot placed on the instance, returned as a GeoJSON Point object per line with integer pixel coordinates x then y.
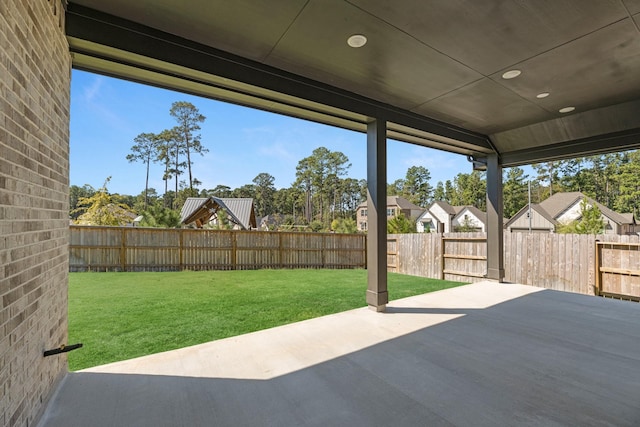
{"type": "Point", "coordinates": [377, 295]}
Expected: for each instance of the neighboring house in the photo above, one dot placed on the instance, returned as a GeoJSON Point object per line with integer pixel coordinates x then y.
{"type": "Point", "coordinates": [441, 217]}
{"type": "Point", "coordinates": [469, 218]}
{"type": "Point", "coordinates": [137, 220]}
{"type": "Point", "coordinates": [200, 211]}
{"type": "Point", "coordinates": [396, 205]}
{"type": "Point", "coordinates": [271, 222]}
{"type": "Point", "coordinates": [563, 208]}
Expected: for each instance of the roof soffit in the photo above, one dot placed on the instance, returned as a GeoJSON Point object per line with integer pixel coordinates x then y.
{"type": "Point", "coordinates": [440, 60]}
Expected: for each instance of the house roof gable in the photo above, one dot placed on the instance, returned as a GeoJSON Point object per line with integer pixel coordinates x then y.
{"type": "Point", "coordinates": [481, 216]}
{"type": "Point", "coordinates": [398, 201]}
{"type": "Point", "coordinates": [239, 210]}
{"type": "Point", "coordinates": [534, 207]}
{"type": "Point", "coordinates": [561, 202]}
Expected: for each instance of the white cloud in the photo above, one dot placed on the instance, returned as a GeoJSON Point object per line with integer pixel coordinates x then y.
{"type": "Point", "coordinates": [91, 91]}
{"type": "Point", "coordinates": [102, 110]}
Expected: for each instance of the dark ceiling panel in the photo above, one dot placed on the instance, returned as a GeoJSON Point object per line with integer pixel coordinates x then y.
{"type": "Point", "coordinates": [245, 27]}
{"type": "Point", "coordinates": [600, 121]}
{"type": "Point", "coordinates": [484, 106]}
{"type": "Point", "coordinates": [118, 43]}
{"type": "Point", "coordinates": [590, 146]}
{"type": "Point", "coordinates": [425, 60]}
{"type": "Point", "coordinates": [491, 35]}
{"type": "Point", "coordinates": [597, 70]}
{"type": "Point", "coordinates": [633, 6]}
{"type": "Point", "coordinates": [392, 67]}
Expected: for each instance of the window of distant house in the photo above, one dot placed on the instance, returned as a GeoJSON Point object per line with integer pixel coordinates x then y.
{"type": "Point", "coordinates": [390, 211]}
{"type": "Point", "coordinates": [363, 212]}
{"type": "Point", "coordinates": [363, 226]}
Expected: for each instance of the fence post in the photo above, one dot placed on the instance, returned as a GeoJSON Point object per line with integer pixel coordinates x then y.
{"type": "Point", "coordinates": [234, 250]}
{"type": "Point", "coordinates": [123, 250]}
{"type": "Point", "coordinates": [442, 256]}
{"type": "Point", "coordinates": [597, 263]}
{"type": "Point", "coordinates": [323, 243]}
{"type": "Point", "coordinates": [180, 249]}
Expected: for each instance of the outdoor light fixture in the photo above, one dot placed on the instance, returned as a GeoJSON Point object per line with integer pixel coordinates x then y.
{"type": "Point", "coordinates": [566, 109]}
{"type": "Point", "coordinates": [357, 40]}
{"type": "Point", "coordinates": [479, 164]}
{"type": "Point", "coordinates": [511, 74]}
{"type": "Point", "coordinates": [542, 95]}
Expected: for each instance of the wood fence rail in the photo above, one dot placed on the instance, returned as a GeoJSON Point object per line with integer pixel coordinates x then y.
{"type": "Point", "coordinates": [151, 249]}
{"type": "Point", "coordinates": [566, 262]}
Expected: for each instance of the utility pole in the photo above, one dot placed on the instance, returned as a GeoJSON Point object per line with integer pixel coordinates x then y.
{"type": "Point", "coordinates": [529, 214]}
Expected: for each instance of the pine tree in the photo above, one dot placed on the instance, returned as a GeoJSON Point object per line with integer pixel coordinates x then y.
{"type": "Point", "coordinates": [187, 140]}
{"type": "Point", "coordinates": [144, 149]}
{"type": "Point", "coordinates": [515, 191]}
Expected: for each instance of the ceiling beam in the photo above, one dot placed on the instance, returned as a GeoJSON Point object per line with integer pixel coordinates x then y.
{"type": "Point", "coordinates": [121, 38]}
{"type": "Point", "coordinates": [600, 144]}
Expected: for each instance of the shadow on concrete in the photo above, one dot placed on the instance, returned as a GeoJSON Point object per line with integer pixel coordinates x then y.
{"type": "Point", "coordinates": [547, 358]}
{"type": "Point", "coordinates": [428, 310]}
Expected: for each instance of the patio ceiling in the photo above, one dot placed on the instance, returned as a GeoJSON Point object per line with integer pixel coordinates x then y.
{"type": "Point", "coordinates": [432, 69]}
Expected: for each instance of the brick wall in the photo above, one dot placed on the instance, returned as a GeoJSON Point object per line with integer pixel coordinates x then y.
{"type": "Point", "coordinates": [34, 170]}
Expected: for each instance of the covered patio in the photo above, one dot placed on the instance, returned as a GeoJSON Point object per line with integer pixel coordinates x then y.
{"type": "Point", "coordinates": [485, 354]}
{"type": "Point", "coordinates": [503, 83]}
{"type": "Point", "coordinates": [500, 82]}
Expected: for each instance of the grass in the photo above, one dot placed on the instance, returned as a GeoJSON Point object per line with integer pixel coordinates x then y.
{"type": "Point", "coordinates": [119, 316]}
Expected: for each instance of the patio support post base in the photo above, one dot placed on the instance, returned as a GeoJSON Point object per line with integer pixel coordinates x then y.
{"type": "Point", "coordinates": [495, 274]}
{"type": "Point", "coordinates": [377, 300]}
{"type": "Point", "coordinates": [379, 308]}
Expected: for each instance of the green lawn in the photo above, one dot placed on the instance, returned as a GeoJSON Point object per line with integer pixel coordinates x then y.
{"type": "Point", "coordinates": [118, 316]}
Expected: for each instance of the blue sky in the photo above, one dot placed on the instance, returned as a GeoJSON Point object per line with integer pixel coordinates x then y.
{"type": "Point", "coordinates": [107, 114]}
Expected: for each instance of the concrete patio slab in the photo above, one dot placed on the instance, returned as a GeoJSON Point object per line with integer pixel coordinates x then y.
{"type": "Point", "coordinates": [482, 354]}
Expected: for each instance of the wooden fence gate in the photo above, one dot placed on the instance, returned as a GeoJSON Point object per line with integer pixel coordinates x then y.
{"type": "Point", "coordinates": [618, 270]}
{"type": "Point", "coordinates": [464, 257]}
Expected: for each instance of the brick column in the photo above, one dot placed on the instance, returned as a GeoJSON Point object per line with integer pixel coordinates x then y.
{"type": "Point", "coordinates": [34, 185]}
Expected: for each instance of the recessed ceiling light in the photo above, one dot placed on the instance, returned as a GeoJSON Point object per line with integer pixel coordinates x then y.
{"type": "Point", "coordinates": [511, 74]}
{"type": "Point", "coordinates": [542, 95]}
{"type": "Point", "coordinates": [357, 40]}
{"type": "Point", "coordinates": [567, 109]}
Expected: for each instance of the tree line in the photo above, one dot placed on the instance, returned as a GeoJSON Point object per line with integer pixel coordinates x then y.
{"type": "Point", "coordinates": [611, 179]}
{"type": "Point", "coordinates": [323, 197]}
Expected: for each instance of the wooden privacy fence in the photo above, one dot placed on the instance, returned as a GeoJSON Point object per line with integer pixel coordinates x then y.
{"type": "Point", "coordinates": [451, 256]}
{"type": "Point", "coordinates": [152, 249]}
{"type": "Point", "coordinates": [566, 262]}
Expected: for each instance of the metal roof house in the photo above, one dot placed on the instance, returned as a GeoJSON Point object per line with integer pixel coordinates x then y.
{"type": "Point", "coordinates": [562, 208]}
{"type": "Point", "coordinates": [199, 211]}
